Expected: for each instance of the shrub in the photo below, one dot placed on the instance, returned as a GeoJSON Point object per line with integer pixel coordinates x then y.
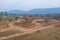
{"type": "Point", "coordinates": [16, 18]}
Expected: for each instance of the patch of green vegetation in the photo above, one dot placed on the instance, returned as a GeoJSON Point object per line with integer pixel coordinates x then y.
{"type": "Point", "coordinates": [16, 17]}
{"type": "Point", "coordinates": [1, 17]}
{"type": "Point", "coordinates": [46, 21]}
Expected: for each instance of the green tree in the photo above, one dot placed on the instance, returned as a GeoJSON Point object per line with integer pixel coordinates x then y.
{"type": "Point", "coordinates": [0, 17]}
{"type": "Point", "coordinates": [16, 17]}
{"type": "Point", "coordinates": [46, 20]}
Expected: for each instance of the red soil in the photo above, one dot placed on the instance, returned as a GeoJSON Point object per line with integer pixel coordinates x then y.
{"type": "Point", "coordinates": [30, 27]}
{"type": "Point", "coordinates": [4, 27]}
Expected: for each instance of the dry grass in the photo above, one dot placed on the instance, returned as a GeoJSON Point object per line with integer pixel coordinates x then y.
{"type": "Point", "coordinates": [49, 34]}
{"type": "Point", "coordinates": [8, 33]}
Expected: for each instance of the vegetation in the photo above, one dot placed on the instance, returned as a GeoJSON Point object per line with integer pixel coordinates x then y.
{"type": "Point", "coordinates": [16, 17]}
{"type": "Point", "coordinates": [46, 21]}
{"type": "Point", "coordinates": [1, 17]}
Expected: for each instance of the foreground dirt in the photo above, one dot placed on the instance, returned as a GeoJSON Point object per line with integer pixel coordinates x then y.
{"type": "Point", "coordinates": [20, 31]}
{"type": "Point", "coordinates": [48, 34]}
{"type": "Point", "coordinates": [27, 33]}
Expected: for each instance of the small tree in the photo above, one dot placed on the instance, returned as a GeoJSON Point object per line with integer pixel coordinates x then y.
{"type": "Point", "coordinates": [0, 17]}
{"type": "Point", "coordinates": [16, 18]}
{"type": "Point", "coordinates": [46, 20]}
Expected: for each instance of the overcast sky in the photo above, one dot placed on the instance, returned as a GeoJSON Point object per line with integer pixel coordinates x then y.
{"type": "Point", "coordinates": [27, 4]}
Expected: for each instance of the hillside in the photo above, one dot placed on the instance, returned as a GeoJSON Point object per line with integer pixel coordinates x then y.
{"type": "Point", "coordinates": [36, 11]}
{"type": "Point", "coordinates": [49, 34]}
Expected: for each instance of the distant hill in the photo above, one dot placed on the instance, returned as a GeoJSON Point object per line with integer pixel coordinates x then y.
{"type": "Point", "coordinates": [36, 11]}
{"type": "Point", "coordinates": [16, 11]}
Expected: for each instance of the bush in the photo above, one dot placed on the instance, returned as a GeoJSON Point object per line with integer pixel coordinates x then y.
{"type": "Point", "coordinates": [16, 18]}
{"type": "Point", "coordinates": [46, 20]}
{"type": "Point", "coordinates": [0, 18]}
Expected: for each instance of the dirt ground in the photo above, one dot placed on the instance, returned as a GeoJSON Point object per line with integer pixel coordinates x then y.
{"type": "Point", "coordinates": [31, 32]}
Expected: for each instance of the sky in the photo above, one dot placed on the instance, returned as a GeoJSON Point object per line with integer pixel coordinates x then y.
{"type": "Point", "coordinates": [27, 4]}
